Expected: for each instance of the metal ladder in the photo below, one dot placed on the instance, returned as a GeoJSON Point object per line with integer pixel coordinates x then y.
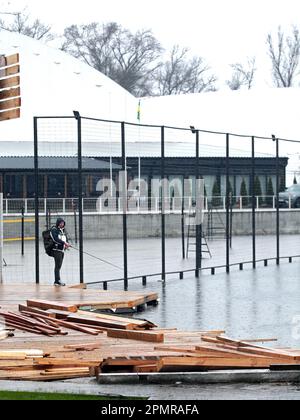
{"type": "Point", "coordinates": [191, 245]}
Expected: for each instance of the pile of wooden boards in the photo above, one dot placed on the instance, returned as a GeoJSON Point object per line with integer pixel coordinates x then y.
{"type": "Point", "coordinates": [213, 353]}
{"type": "Point", "coordinates": [120, 345]}
{"type": "Point", "coordinates": [34, 365]}
{"type": "Point", "coordinates": [53, 318]}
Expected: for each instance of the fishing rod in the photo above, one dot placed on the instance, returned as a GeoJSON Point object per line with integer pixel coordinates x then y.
{"type": "Point", "coordinates": [99, 259]}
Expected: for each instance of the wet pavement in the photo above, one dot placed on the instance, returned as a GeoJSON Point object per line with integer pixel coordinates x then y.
{"type": "Point", "coordinates": [262, 303]}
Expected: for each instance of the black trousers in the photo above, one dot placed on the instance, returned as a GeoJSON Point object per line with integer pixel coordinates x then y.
{"type": "Point", "coordinates": [59, 259]}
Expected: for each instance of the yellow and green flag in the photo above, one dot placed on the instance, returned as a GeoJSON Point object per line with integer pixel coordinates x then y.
{"type": "Point", "coordinates": [139, 112]}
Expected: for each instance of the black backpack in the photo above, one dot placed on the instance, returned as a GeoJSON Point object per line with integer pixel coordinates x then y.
{"type": "Point", "coordinates": [48, 242]}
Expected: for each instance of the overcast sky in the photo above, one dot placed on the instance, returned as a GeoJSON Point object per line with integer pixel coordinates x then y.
{"type": "Point", "coordinates": [221, 31]}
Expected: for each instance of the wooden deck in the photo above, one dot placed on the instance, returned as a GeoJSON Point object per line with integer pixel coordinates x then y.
{"type": "Point", "coordinates": [13, 295]}
{"type": "Point", "coordinates": [54, 344]}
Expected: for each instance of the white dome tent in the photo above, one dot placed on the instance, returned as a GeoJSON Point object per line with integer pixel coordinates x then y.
{"type": "Point", "coordinates": [54, 83]}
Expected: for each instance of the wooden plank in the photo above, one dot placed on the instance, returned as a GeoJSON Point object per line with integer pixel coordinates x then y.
{"type": "Point", "coordinates": [10, 93]}
{"type": "Point", "coordinates": [9, 60]}
{"type": "Point", "coordinates": [67, 324]}
{"type": "Point", "coordinates": [76, 327]}
{"type": "Point", "coordinates": [149, 368]}
{"type": "Point", "coordinates": [10, 115]}
{"type": "Point", "coordinates": [66, 371]}
{"type": "Point", "coordinates": [27, 322]}
{"type": "Point", "coordinates": [213, 362]}
{"type": "Point", "coordinates": [68, 362]}
{"type": "Point", "coordinates": [261, 340]}
{"type": "Point", "coordinates": [44, 304]}
{"type": "Point", "coordinates": [138, 322]}
{"type": "Point", "coordinates": [55, 313]}
{"type": "Point", "coordinates": [83, 347]}
{"type": "Point", "coordinates": [28, 309]}
{"type": "Point", "coordinates": [10, 82]}
{"type": "Point", "coordinates": [100, 322]}
{"type": "Point", "coordinates": [16, 357]}
{"type": "Point", "coordinates": [10, 103]}
{"type": "Point", "coordinates": [267, 353]}
{"type": "Point", "coordinates": [136, 335]}
{"type": "Point", "coordinates": [239, 343]}
{"type": "Point", "coordinates": [129, 361]}
{"type": "Point", "coordinates": [9, 71]}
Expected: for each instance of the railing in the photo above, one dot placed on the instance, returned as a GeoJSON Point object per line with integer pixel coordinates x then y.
{"type": "Point", "coordinates": [134, 205]}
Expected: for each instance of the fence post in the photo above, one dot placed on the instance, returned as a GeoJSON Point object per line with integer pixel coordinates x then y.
{"type": "Point", "coordinates": [277, 200]}
{"type": "Point", "coordinates": [80, 194]}
{"type": "Point", "coordinates": [124, 203]}
{"type": "Point", "coordinates": [253, 206]}
{"type": "Point", "coordinates": [227, 205]}
{"type": "Point", "coordinates": [36, 200]}
{"type": "Point", "coordinates": [163, 206]}
{"type": "Point", "coordinates": [22, 232]}
{"type": "Point", "coordinates": [198, 192]}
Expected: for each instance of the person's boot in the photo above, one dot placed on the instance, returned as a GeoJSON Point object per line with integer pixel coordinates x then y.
{"type": "Point", "coordinates": [59, 284]}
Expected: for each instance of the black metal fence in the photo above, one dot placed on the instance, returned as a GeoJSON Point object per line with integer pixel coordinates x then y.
{"type": "Point", "coordinates": [83, 139]}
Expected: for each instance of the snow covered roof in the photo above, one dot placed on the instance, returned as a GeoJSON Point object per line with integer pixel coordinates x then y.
{"type": "Point", "coordinates": [105, 149]}
{"type": "Point", "coordinates": [55, 83]}
{"type": "Point", "coordinates": [256, 112]}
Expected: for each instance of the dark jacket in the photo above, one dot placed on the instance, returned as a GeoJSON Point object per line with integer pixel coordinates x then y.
{"type": "Point", "coordinates": [59, 237]}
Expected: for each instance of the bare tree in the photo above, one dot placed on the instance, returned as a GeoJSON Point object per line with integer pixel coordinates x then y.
{"type": "Point", "coordinates": [182, 74]}
{"type": "Point", "coordinates": [23, 24]}
{"type": "Point", "coordinates": [284, 54]}
{"type": "Point", "coordinates": [127, 58]}
{"type": "Point", "coordinates": [91, 43]}
{"type": "Point", "coordinates": [243, 75]}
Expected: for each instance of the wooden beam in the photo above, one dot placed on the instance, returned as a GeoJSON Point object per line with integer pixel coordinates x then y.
{"type": "Point", "coordinates": [45, 304]}
{"type": "Point", "coordinates": [10, 103]}
{"type": "Point", "coordinates": [137, 335]}
{"type": "Point", "coordinates": [10, 93]}
{"type": "Point", "coordinates": [141, 323]}
{"type": "Point", "coordinates": [10, 115]}
{"type": "Point", "coordinates": [68, 362]}
{"type": "Point", "coordinates": [101, 322]}
{"type": "Point", "coordinates": [213, 362]}
{"type": "Point", "coordinates": [9, 71]}
{"type": "Point", "coordinates": [9, 60]}
{"type": "Point", "coordinates": [10, 82]}
{"type": "Point", "coordinates": [23, 308]}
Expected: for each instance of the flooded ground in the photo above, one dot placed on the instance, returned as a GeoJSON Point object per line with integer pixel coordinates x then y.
{"type": "Point", "coordinates": [263, 303]}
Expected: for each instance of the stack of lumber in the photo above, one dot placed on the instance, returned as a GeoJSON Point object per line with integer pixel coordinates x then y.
{"type": "Point", "coordinates": [61, 333]}
{"type": "Point", "coordinates": [34, 366]}
{"type": "Point", "coordinates": [48, 318]}
{"type": "Point", "coordinates": [52, 318]}
{"type": "Point", "coordinates": [213, 353]}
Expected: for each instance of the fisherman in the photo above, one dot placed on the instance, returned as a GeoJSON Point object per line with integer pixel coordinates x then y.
{"type": "Point", "coordinates": [60, 240]}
